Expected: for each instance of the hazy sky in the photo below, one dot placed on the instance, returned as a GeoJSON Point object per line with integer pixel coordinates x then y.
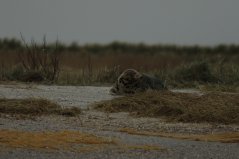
{"type": "Point", "coordinates": [205, 22]}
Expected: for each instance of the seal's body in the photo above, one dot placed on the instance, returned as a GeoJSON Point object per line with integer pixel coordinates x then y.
{"type": "Point", "coordinates": [131, 81]}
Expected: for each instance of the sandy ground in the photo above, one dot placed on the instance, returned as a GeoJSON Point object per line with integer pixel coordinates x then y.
{"type": "Point", "coordinates": [65, 95]}
{"type": "Point", "coordinates": [108, 126]}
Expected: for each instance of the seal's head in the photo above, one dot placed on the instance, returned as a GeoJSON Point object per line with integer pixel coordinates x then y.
{"type": "Point", "coordinates": [127, 82]}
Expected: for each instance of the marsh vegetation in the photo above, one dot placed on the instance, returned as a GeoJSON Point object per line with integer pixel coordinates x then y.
{"type": "Point", "coordinates": [207, 68]}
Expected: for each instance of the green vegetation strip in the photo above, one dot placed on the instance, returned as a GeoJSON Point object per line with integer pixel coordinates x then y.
{"type": "Point", "coordinates": [183, 107]}
{"type": "Point", "coordinates": [32, 106]}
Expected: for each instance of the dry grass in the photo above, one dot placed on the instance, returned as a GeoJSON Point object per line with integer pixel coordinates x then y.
{"type": "Point", "coordinates": [220, 137]}
{"type": "Point", "coordinates": [33, 107]}
{"type": "Point", "coordinates": [61, 140]}
{"type": "Point", "coordinates": [79, 61]}
{"type": "Point", "coordinates": [141, 61]}
{"type": "Point", "coordinates": [210, 107]}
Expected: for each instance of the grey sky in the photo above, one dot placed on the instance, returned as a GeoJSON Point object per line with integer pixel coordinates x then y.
{"type": "Point", "coordinates": [205, 22]}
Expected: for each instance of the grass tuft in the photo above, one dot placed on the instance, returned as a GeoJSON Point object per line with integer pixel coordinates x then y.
{"type": "Point", "coordinates": [183, 107]}
{"type": "Point", "coordinates": [34, 107]}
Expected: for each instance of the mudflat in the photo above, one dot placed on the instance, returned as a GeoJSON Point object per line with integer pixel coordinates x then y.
{"type": "Point", "coordinates": [95, 134]}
